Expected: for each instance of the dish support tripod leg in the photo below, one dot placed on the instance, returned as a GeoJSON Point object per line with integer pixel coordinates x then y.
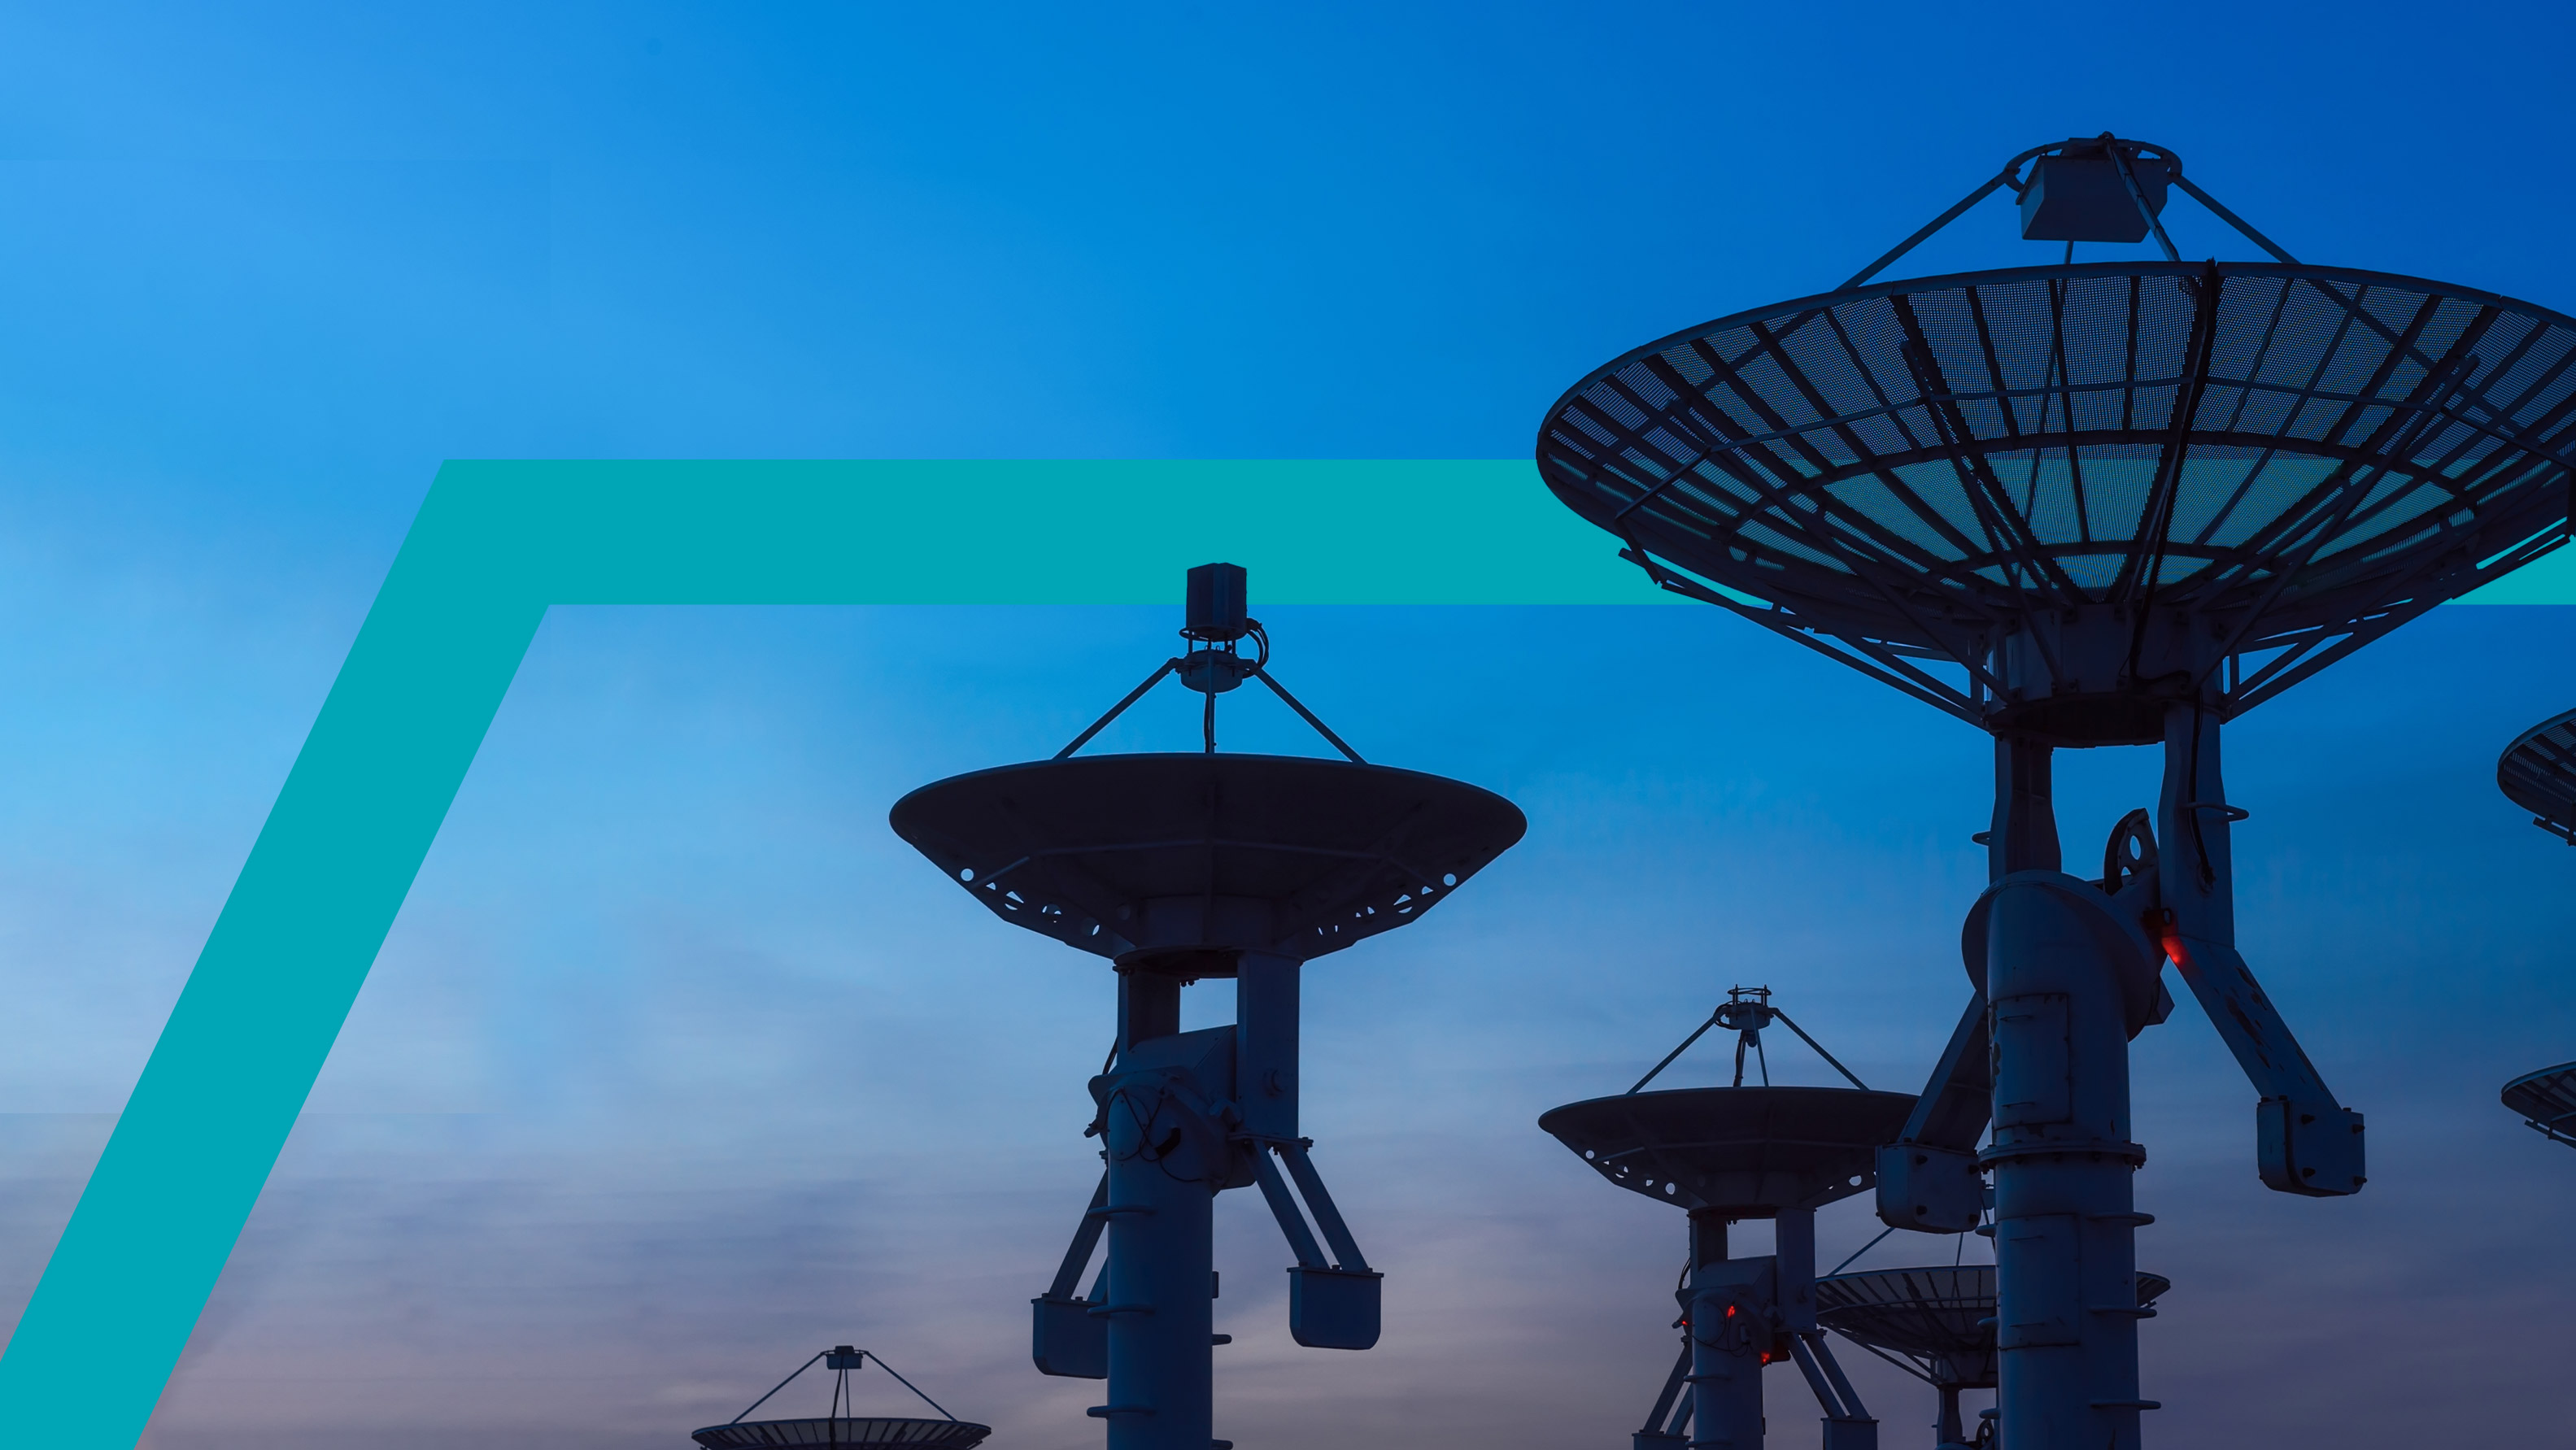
{"type": "Point", "coordinates": [2305, 1142]}
{"type": "Point", "coordinates": [1332, 1302]}
{"type": "Point", "coordinates": [1667, 1423]}
{"type": "Point", "coordinates": [1848, 1425]}
{"type": "Point", "coordinates": [1065, 1338]}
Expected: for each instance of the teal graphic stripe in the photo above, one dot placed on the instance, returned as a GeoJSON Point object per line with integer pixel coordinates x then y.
{"type": "Point", "coordinates": [494, 545]}
{"type": "Point", "coordinates": [497, 543]}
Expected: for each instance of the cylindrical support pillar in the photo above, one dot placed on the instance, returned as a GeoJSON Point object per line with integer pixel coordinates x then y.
{"type": "Point", "coordinates": [1161, 1268]}
{"type": "Point", "coordinates": [2023, 835]}
{"type": "Point", "coordinates": [1952, 1433]}
{"type": "Point", "coordinates": [1793, 1252]}
{"type": "Point", "coordinates": [1265, 1014]}
{"type": "Point", "coordinates": [2066, 1272]}
{"type": "Point", "coordinates": [1729, 1330]}
{"type": "Point", "coordinates": [2197, 876]}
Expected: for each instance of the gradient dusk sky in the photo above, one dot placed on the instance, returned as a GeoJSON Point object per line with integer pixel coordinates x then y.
{"type": "Point", "coordinates": [679, 1066]}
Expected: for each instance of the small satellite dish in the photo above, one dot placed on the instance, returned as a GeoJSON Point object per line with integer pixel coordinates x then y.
{"type": "Point", "coordinates": [2547, 1101]}
{"type": "Point", "coordinates": [1937, 1324]}
{"type": "Point", "coordinates": [840, 1426]}
{"type": "Point", "coordinates": [2538, 773]}
{"type": "Point", "coordinates": [1726, 1154]}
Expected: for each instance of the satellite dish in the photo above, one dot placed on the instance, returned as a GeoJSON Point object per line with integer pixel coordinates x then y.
{"type": "Point", "coordinates": [839, 1427]}
{"type": "Point", "coordinates": [2538, 773]}
{"type": "Point", "coordinates": [1937, 1324]}
{"type": "Point", "coordinates": [2547, 1101]}
{"type": "Point", "coordinates": [1178, 868]}
{"type": "Point", "coordinates": [1726, 1154]}
{"type": "Point", "coordinates": [2087, 504]}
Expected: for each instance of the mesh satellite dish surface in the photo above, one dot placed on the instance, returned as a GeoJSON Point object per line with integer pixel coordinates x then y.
{"type": "Point", "coordinates": [2286, 461]}
{"type": "Point", "coordinates": [1937, 1324]}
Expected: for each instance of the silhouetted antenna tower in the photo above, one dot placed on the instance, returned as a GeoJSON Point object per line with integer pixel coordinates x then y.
{"type": "Point", "coordinates": [1724, 1155]}
{"type": "Point", "coordinates": [1179, 868]}
{"type": "Point", "coordinates": [2087, 504]}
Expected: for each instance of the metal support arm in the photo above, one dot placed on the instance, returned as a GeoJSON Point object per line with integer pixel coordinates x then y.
{"type": "Point", "coordinates": [1065, 1338]}
{"type": "Point", "coordinates": [1928, 1179]}
{"type": "Point", "coordinates": [2306, 1142]}
{"type": "Point", "coordinates": [1663, 1422]}
{"type": "Point", "coordinates": [1330, 1305]}
{"type": "Point", "coordinates": [1848, 1425]}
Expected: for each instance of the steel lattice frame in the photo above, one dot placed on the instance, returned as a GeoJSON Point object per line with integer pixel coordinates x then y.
{"type": "Point", "coordinates": [1906, 474]}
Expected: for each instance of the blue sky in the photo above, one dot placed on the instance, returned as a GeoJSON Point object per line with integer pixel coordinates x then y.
{"type": "Point", "coordinates": [678, 1065]}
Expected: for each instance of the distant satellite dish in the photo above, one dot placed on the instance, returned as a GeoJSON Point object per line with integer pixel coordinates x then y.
{"type": "Point", "coordinates": [840, 1429]}
{"type": "Point", "coordinates": [1726, 1154]}
{"type": "Point", "coordinates": [2538, 773]}
{"type": "Point", "coordinates": [2547, 1101]}
{"type": "Point", "coordinates": [1938, 1323]}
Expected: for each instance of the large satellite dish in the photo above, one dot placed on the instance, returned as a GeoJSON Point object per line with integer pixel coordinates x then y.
{"type": "Point", "coordinates": [2281, 461]}
{"type": "Point", "coordinates": [2088, 504]}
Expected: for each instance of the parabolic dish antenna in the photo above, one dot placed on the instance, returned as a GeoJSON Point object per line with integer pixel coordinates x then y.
{"type": "Point", "coordinates": [2538, 773]}
{"type": "Point", "coordinates": [1937, 1324]}
{"type": "Point", "coordinates": [1750, 1151]}
{"type": "Point", "coordinates": [839, 1427]}
{"type": "Point", "coordinates": [2284, 461]}
{"type": "Point", "coordinates": [847, 1432]}
{"type": "Point", "coordinates": [2547, 1100]}
{"type": "Point", "coordinates": [1083, 849]}
{"type": "Point", "coordinates": [1929, 1313]}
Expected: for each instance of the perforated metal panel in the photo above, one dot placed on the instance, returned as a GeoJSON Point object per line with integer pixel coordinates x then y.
{"type": "Point", "coordinates": [2275, 463]}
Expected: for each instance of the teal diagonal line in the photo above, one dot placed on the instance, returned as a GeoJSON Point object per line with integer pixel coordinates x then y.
{"type": "Point", "coordinates": [493, 546]}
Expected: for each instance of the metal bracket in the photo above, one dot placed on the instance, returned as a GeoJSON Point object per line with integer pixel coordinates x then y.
{"type": "Point", "coordinates": [1331, 1305]}
{"type": "Point", "coordinates": [1848, 1424]}
{"type": "Point", "coordinates": [1067, 1337]}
